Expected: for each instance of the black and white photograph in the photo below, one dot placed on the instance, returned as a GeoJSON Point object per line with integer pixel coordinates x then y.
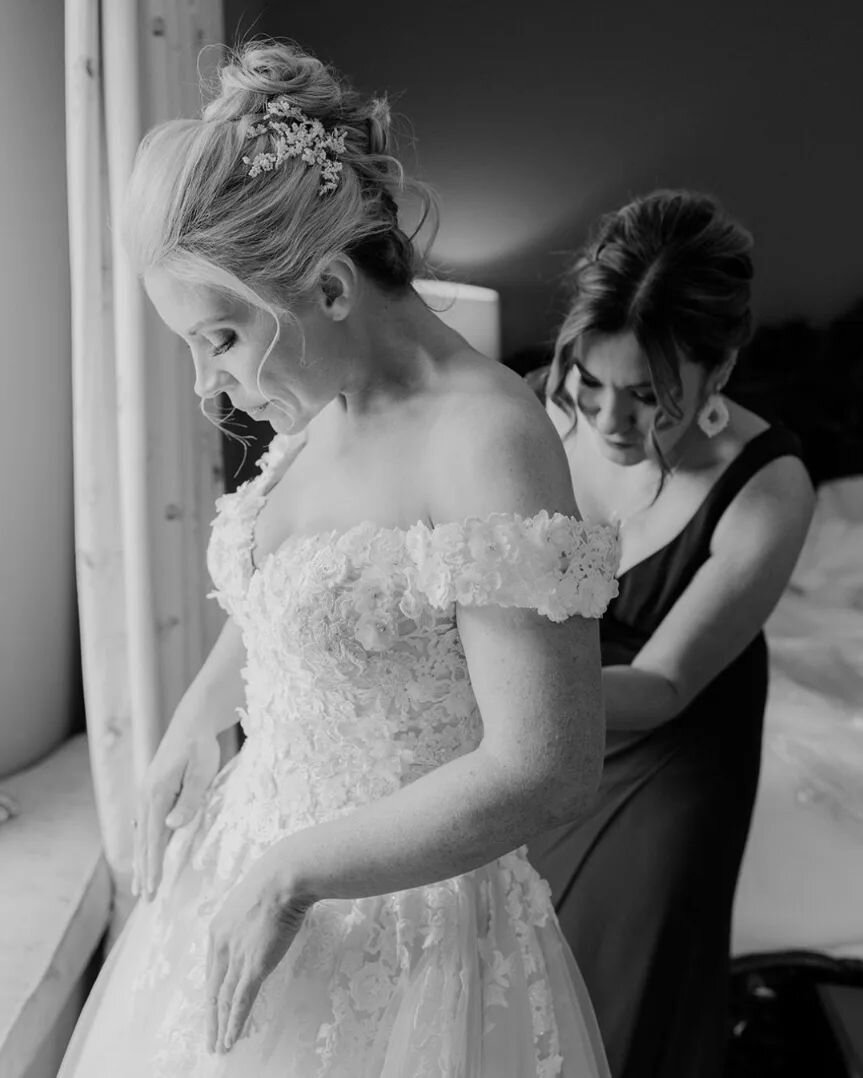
{"type": "Point", "coordinates": [431, 618]}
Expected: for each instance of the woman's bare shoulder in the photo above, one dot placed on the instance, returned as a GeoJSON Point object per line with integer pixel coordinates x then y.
{"type": "Point", "coordinates": [478, 390]}
{"type": "Point", "coordinates": [487, 432]}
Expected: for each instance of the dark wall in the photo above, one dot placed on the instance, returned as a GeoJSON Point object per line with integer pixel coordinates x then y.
{"type": "Point", "coordinates": [531, 119]}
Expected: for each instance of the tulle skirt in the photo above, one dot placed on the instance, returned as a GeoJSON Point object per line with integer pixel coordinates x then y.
{"type": "Point", "coordinates": [466, 978]}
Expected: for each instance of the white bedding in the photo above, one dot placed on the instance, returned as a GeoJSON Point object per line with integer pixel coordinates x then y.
{"type": "Point", "coordinates": [801, 884]}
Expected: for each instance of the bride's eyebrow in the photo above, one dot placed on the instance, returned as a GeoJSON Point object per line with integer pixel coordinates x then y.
{"type": "Point", "coordinates": [212, 321]}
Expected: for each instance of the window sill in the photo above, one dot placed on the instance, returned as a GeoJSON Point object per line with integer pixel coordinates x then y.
{"type": "Point", "coordinates": [55, 899]}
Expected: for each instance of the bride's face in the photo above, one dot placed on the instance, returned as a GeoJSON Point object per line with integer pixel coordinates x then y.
{"type": "Point", "coordinates": [229, 338]}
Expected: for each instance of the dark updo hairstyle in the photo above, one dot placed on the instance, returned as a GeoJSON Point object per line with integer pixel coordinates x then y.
{"type": "Point", "coordinates": [193, 209]}
{"type": "Point", "coordinates": [673, 269]}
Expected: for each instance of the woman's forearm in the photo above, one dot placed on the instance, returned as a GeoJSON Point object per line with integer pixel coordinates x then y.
{"type": "Point", "coordinates": [210, 703]}
{"type": "Point", "coordinates": [638, 699]}
{"type": "Point", "coordinates": [463, 815]}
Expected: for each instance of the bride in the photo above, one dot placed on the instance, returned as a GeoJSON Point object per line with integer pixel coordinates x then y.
{"type": "Point", "coordinates": [411, 642]}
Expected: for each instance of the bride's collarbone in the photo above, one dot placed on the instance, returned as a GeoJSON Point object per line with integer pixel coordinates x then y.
{"type": "Point", "coordinates": [333, 497]}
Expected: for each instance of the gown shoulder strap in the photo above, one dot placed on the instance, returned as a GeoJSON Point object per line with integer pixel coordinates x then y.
{"type": "Point", "coordinates": [772, 443]}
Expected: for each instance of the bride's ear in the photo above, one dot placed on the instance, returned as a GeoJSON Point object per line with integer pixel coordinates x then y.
{"type": "Point", "coordinates": [337, 289]}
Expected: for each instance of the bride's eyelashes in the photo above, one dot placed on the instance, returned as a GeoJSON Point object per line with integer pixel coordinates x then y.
{"type": "Point", "coordinates": [226, 345]}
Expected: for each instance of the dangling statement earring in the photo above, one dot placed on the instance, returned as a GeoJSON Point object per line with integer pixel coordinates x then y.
{"type": "Point", "coordinates": [713, 416]}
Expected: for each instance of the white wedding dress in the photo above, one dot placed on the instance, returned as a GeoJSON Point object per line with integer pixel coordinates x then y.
{"type": "Point", "coordinates": [356, 685]}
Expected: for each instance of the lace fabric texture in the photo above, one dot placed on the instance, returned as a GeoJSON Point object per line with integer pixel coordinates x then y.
{"type": "Point", "coordinates": [356, 684]}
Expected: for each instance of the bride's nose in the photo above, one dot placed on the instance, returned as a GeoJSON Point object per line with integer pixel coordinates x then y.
{"type": "Point", "coordinates": [210, 381]}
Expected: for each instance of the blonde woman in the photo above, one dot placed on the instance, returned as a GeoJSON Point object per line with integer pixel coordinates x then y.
{"type": "Point", "coordinates": [411, 642]}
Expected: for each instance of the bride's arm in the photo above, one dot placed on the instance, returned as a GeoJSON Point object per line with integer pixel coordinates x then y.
{"type": "Point", "coordinates": [188, 756]}
{"type": "Point", "coordinates": [538, 765]}
{"type": "Point", "coordinates": [210, 703]}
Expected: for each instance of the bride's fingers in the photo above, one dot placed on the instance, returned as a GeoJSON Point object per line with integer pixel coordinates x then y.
{"type": "Point", "coordinates": [155, 842]}
{"type": "Point", "coordinates": [157, 859]}
{"type": "Point", "coordinates": [224, 1005]}
{"type": "Point", "coordinates": [217, 968]}
{"type": "Point", "coordinates": [149, 827]}
{"type": "Point", "coordinates": [188, 800]}
{"type": "Point", "coordinates": [212, 1023]}
{"type": "Point", "coordinates": [136, 842]}
{"type": "Point", "coordinates": [245, 994]}
{"type": "Point", "coordinates": [139, 839]}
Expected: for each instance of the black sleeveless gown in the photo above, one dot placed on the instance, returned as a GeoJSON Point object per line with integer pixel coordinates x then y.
{"type": "Point", "coordinates": [644, 885]}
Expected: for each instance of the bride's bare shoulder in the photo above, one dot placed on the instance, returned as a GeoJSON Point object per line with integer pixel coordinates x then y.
{"type": "Point", "coordinates": [477, 388]}
{"type": "Point", "coordinates": [490, 438]}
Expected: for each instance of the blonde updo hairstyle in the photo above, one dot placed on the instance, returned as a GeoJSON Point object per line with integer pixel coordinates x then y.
{"type": "Point", "coordinates": [193, 210]}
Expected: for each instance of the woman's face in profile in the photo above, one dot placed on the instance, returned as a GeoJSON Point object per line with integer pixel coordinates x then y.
{"type": "Point", "coordinates": [610, 382]}
{"type": "Point", "coordinates": [229, 338]}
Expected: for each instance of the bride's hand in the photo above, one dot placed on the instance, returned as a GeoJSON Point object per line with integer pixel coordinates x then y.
{"type": "Point", "coordinates": [249, 936]}
{"type": "Point", "coordinates": [182, 769]}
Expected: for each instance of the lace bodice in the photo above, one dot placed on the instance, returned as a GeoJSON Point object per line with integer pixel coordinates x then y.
{"type": "Point", "coordinates": [356, 678]}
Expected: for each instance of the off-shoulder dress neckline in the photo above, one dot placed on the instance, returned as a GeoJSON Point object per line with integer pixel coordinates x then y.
{"type": "Point", "coordinates": [276, 461]}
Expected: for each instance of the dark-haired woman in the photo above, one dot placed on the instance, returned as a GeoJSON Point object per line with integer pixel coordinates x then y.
{"type": "Point", "coordinates": [713, 505]}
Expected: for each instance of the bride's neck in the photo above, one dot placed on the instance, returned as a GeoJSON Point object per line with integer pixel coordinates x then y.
{"type": "Point", "coordinates": [399, 348]}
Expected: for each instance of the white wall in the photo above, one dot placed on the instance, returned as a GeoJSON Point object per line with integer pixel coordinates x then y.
{"type": "Point", "coordinates": [38, 645]}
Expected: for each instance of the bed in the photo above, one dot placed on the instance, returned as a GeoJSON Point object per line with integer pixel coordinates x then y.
{"type": "Point", "coordinates": [801, 885]}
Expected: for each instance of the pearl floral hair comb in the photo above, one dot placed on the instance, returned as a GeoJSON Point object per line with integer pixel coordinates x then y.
{"type": "Point", "coordinates": [294, 134]}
